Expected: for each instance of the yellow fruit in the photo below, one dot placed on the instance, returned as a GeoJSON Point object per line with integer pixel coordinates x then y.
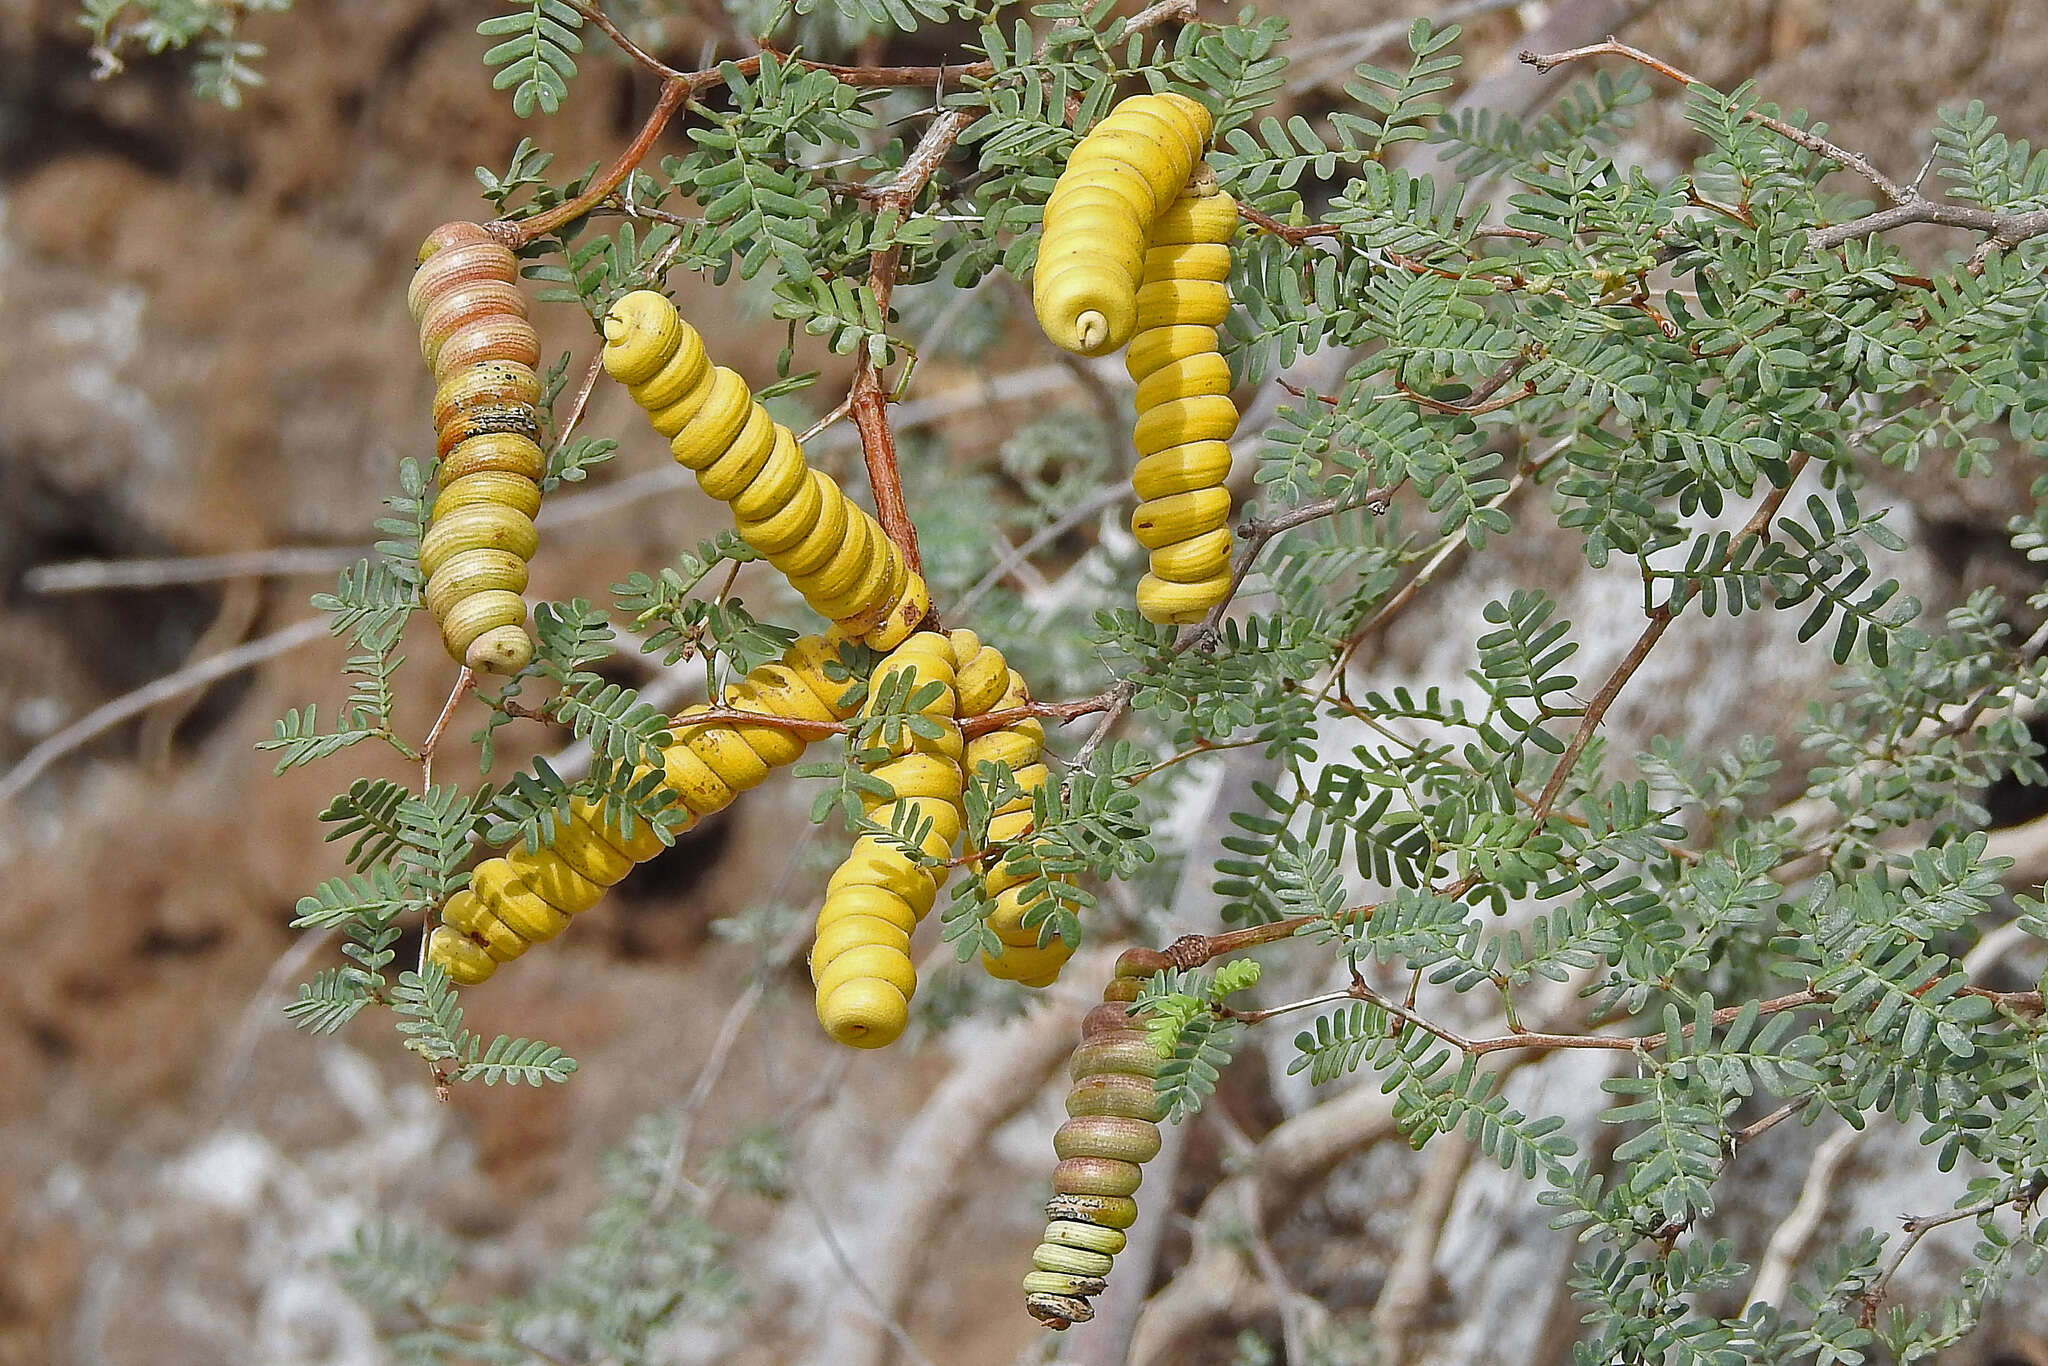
{"type": "Point", "coordinates": [1185, 414]}
{"type": "Point", "coordinates": [482, 351]}
{"type": "Point", "coordinates": [522, 898]}
{"type": "Point", "coordinates": [860, 958]}
{"type": "Point", "coordinates": [833, 552]}
{"type": "Point", "coordinates": [1117, 182]}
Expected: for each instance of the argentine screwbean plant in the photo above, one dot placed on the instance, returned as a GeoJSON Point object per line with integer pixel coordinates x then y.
{"type": "Point", "coordinates": [1445, 326]}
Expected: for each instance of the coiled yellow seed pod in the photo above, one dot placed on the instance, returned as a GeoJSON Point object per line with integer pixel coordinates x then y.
{"type": "Point", "coordinates": [860, 957]}
{"type": "Point", "coordinates": [1111, 1130]}
{"type": "Point", "coordinates": [520, 899]}
{"type": "Point", "coordinates": [1185, 413]}
{"type": "Point", "coordinates": [987, 683]}
{"type": "Point", "coordinates": [483, 353]}
{"type": "Point", "coordinates": [832, 552]}
{"type": "Point", "coordinates": [1100, 219]}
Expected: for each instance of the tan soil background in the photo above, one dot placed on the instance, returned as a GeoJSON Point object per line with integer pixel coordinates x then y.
{"type": "Point", "coordinates": [203, 348]}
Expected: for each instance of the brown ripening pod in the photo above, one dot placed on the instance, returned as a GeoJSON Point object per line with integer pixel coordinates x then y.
{"type": "Point", "coordinates": [1112, 1130]}
{"type": "Point", "coordinates": [484, 355]}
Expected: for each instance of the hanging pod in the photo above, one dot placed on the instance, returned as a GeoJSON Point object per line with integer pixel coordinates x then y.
{"type": "Point", "coordinates": [523, 898]}
{"type": "Point", "coordinates": [1118, 180]}
{"type": "Point", "coordinates": [1185, 414]}
{"type": "Point", "coordinates": [1111, 1131]}
{"type": "Point", "coordinates": [833, 553]}
{"type": "Point", "coordinates": [987, 683]}
{"type": "Point", "coordinates": [860, 952]}
{"type": "Point", "coordinates": [483, 353]}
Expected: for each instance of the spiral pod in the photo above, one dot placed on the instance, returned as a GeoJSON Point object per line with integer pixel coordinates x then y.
{"type": "Point", "coordinates": [1185, 413]}
{"type": "Point", "coordinates": [483, 354]}
{"type": "Point", "coordinates": [987, 683]}
{"type": "Point", "coordinates": [860, 958]}
{"type": "Point", "coordinates": [1122, 176]}
{"type": "Point", "coordinates": [1111, 1131]}
{"type": "Point", "coordinates": [524, 898]}
{"type": "Point", "coordinates": [833, 553]}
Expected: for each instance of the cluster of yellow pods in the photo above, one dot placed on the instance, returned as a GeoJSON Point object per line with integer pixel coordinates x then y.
{"type": "Point", "coordinates": [1136, 249]}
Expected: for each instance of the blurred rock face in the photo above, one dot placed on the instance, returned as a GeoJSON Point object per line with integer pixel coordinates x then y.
{"type": "Point", "coordinates": [203, 348]}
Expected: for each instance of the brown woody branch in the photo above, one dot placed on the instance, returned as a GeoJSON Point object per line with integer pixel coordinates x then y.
{"type": "Point", "coordinates": [866, 399]}
{"type": "Point", "coordinates": [517, 235]}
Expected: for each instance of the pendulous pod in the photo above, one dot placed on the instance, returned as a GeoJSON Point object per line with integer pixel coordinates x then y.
{"type": "Point", "coordinates": [1128, 170]}
{"type": "Point", "coordinates": [1112, 1129]}
{"type": "Point", "coordinates": [483, 353]}
{"type": "Point", "coordinates": [1185, 413]}
{"type": "Point", "coordinates": [520, 899]}
{"type": "Point", "coordinates": [860, 956]}
{"type": "Point", "coordinates": [832, 551]}
{"type": "Point", "coordinates": [987, 683]}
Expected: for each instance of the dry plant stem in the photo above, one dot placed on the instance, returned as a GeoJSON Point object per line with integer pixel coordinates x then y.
{"type": "Point", "coordinates": [1787, 1246]}
{"type": "Point", "coordinates": [87, 576]}
{"type": "Point", "coordinates": [856, 75]}
{"type": "Point", "coordinates": [1106, 496]}
{"type": "Point", "coordinates": [930, 1163]}
{"type": "Point", "coordinates": [464, 681]}
{"type": "Point", "coordinates": [1919, 1226]}
{"type": "Point", "coordinates": [852, 1273]}
{"type": "Point", "coordinates": [1447, 550]}
{"type": "Point", "coordinates": [1405, 1295]}
{"type": "Point", "coordinates": [1661, 618]}
{"type": "Point", "coordinates": [1212, 1289]}
{"type": "Point", "coordinates": [581, 401]}
{"type": "Point", "coordinates": [1908, 205]}
{"type": "Point", "coordinates": [104, 718]}
{"type": "Point", "coordinates": [1812, 142]}
{"type": "Point", "coordinates": [1296, 1309]}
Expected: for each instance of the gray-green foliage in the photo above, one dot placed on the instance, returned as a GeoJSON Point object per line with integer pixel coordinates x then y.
{"type": "Point", "coordinates": [225, 66]}
{"type": "Point", "coordinates": [649, 1260]}
{"type": "Point", "coordinates": [1652, 361]}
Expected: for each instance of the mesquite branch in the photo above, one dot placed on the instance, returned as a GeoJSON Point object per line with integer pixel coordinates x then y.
{"type": "Point", "coordinates": [1660, 621]}
{"type": "Point", "coordinates": [1907, 204]}
{"type": "Point", "coordinates": [867, 400]}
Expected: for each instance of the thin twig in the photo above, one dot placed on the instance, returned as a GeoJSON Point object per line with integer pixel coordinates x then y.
{"type": "Point", "coordinates": [104, 718]}
{"type": "Point", "coordinates": [1661, 618]}
{"type": "Point", "coordinates": [1787, 1246]}
{"type": "Point", "coordinates": [1405, 1294]}
{"type": "Point", "coordinates": [852, 1272]}
{"type": "Point", "coordinates": [2005, 230]}
{"type": "Point", "coordinates": [464, 681]}
{"type": "Point", "coordinates": [1088, 507]}
{"type": "Point", "coordinates": [868, 401]}
{"type": "Point", "coordinates": [515, 235]}
{"type": "Point", "coordinates": [1812, 142]}
{"type": "Point", "coordinates": [90, 576]}
{"type": "Point", "coordinates": [1919, 1226]}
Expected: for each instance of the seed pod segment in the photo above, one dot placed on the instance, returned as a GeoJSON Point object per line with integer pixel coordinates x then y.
{"type": "Point", "coordinates": [483, 353]}
{"type": "Point", "coordinates": [1111, 1131]}
{"type": "Point", "coordinates": [1091, 255]}
{"type": "Point", "coordinates": [988, 683]}
{"type": "Point", "coordinates": [860, 957]}
{"type": "Point", "coordinates": [520, 899]}
{"type": "Point", "coordinates": [1185, 413]}
{"type": "Point", "coordinates": [834, 553]}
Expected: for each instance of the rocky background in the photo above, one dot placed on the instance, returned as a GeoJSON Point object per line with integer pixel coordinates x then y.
{"type": "Point", "coordinates": [205, 352]}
